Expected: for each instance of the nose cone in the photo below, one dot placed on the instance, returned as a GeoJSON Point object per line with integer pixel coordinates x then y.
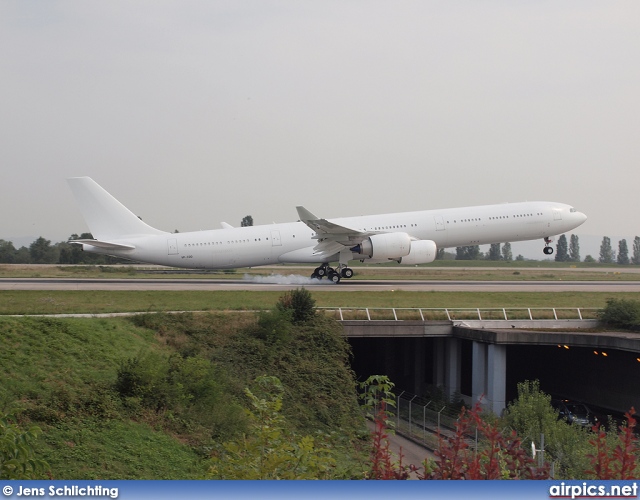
{"type": "Point", "coordinates": [581, 217]}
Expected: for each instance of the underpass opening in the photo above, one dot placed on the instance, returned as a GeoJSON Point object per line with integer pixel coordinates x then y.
{"type": "Point", "coordinates": [605, 378]}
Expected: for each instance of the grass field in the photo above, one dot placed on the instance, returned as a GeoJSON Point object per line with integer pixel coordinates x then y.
{"type": "Point", "coordinates": [97, 302]}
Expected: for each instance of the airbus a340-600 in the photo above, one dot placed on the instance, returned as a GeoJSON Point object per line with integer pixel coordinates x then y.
{"type": "Point", "coordinates": [408, 238]}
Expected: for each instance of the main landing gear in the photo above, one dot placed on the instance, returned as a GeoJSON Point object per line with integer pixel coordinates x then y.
{"type": "Point", "coordinates": [332, 274]}
{"type": "Point", "coordinates": [547, 249]}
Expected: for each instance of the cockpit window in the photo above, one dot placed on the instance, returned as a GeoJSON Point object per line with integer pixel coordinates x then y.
{"type": "Point", "coordinates": [572, 210]}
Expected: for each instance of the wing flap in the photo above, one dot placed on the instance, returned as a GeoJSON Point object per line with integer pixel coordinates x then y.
{"type": "Point", "coordinates": [328, 248]}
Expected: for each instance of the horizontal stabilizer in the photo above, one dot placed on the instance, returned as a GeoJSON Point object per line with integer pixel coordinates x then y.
{"type": "Point", "coordinates": [103, 244]}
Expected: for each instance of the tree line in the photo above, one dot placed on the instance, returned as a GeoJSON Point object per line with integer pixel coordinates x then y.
{"type": "Point", "coordinates": [42, 251]}
{"type": "Point", "coordinates": [566, 251]}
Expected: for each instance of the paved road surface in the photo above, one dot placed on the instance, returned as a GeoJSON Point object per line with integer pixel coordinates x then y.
{"type": "Point", "coordinates": [280, 283]}
{"type": "Point", "coordinates": [412, 453]}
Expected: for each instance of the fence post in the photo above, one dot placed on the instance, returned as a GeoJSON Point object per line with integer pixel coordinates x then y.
{"type": "Point", "coordinates": [414, 397]}
{"type": "Point", "coordinates": [398, 412]}
{"type": "Point", "coordinates": [439, 417]}
{"type": "Point", "coordinates": [424, 424]}
{"type": "Point", "coordinates": [541, 456]}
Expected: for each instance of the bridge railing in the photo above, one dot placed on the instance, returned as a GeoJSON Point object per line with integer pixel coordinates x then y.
{"type": "Point", "coordinates": [458, 314]}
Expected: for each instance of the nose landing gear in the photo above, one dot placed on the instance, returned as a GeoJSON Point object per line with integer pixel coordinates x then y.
{"type": "Point", "coordinates": [547, 249]}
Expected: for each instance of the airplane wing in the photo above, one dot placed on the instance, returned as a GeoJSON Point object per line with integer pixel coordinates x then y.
{"type": "Point", "coordinates": [332, 238]}
{"type": "Point", "coordinates": [103, 244]}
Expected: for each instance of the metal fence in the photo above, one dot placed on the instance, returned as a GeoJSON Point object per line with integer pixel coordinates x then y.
{"type": "Point", "coordinates": [424, 420]}
{"type": "Point", "coordinates": [455, 314]}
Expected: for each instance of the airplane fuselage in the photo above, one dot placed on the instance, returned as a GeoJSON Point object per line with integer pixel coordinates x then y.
{"type": "Point", "coordinates": [294, 242]}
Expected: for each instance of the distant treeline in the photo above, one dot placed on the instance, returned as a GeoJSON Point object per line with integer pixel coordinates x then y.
{"type": "Point", "coordinates": [565, 251]}
{"type": "Point", "coordinates": [41, 251]}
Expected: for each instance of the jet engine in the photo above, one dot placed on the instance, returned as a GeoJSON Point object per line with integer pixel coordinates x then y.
{"type": "Point", "coordinates": [390, 246]}
{"type": "Point", "coordinates": [422, 252]}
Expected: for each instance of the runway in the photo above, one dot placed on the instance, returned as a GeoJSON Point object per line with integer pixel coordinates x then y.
{"type": "Point", "coordinates": [281, 283]}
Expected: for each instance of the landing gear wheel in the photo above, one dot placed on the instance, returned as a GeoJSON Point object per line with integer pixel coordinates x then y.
{"type": "Point", "coordinates": [347, 272]}
{"type": "Point", "coordinates": [548, 250]}
{"type": "Point", "coordinates": [335, 277]}
{"type": "Point", "coordinates": [320, 272]}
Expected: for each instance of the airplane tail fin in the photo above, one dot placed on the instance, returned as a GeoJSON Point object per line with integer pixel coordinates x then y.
{"type": "Point", "coordinates": [107, 218]}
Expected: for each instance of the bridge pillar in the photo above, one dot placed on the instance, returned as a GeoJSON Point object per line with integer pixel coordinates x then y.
{"type": "Point", "coordinates": [453, 355]}
{"type": "Point", "coordinates": [496, 377]}
{"type": "Point", "coordinates": [479, 372]}
{"type": "Point", "coordinates": [489, 375]}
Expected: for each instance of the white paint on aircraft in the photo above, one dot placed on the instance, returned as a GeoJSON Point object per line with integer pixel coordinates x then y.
{"type": "Point", "coordinates": [407, 237]}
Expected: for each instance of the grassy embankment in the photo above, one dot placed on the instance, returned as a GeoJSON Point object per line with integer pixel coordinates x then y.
{"type": "Point", "coordinates": [61, 372]}
{"type": "Point", "coordinates": [183, 395]}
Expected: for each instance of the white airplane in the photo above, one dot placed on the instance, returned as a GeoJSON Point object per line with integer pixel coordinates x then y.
{"type": "Point", "coordinates": [407, 238]}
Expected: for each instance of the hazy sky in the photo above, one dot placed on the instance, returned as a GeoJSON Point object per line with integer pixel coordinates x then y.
{"type": "Point", "coordinates": [196, 112]}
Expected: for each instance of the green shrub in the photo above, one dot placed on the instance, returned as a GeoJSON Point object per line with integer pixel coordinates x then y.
{"type": "Point", "coordinates": [270, 450]}
{"type": "Point", "coordinates": [17, 454]}
{"type": "Point", "coordinates": [190, 392]}
{"type": "Point", "coordinates": [621, 313]}
{"type": "Point", "coordinates": [273, 327]}
{"type": "Point", "coordinates": [531, 415]}
{"type": "Point", "coordinates": [299, 303]}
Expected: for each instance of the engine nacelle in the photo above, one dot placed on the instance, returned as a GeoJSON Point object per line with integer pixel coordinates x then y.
{"type": "Point", "coordinates": [422, 252]}
{"type": "Point", "coordinates": [390, 246]}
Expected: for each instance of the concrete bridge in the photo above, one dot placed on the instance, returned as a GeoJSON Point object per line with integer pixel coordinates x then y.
{"type": "Point", "coordinates": [485, 359]}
